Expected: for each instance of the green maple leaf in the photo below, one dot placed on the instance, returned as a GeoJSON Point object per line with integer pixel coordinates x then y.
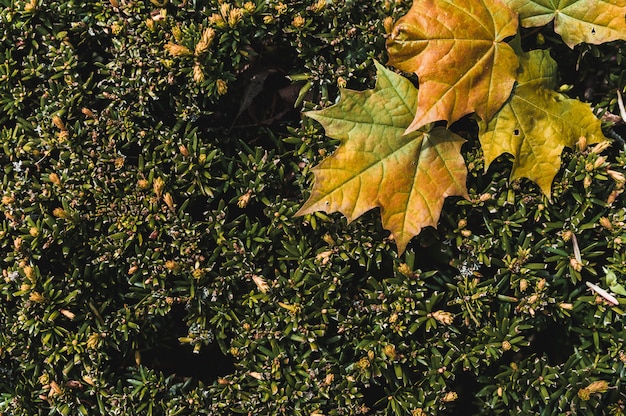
{"type": "Point", "coordinates": [407, 176]}
{"type": "Point", "coordinates": [537, 123]}
{"type": "Point", "coordinates": [577, 21]}
{"type": "Point", "coordinates": [459, 54]}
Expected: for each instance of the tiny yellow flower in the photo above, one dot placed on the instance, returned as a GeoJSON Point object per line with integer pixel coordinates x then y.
{"type": "Point", "coordinates": [268, 19]}
{"type": "Point", "coordinates": [33, 231]}
{"type": "Point", "coordinates": [7, 200]}
{"type": "Point", "coordinates": [171, 265]}
{"type": "Point", "coordinates": [405, 270]}
{"type": "Point", "coordinates": [506, 345]}
{"type": "Point", "coordinates": [584, 394]}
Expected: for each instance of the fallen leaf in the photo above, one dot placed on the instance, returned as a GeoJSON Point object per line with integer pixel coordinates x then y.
{"type": "Point", "coordinates": [589, 21]}
{"type": "Point", "coordinates": [407, 176]}
{"type": "Point", "coordinates": [537, 123]}
{"type": "Point", "coordinates": [459, 55]}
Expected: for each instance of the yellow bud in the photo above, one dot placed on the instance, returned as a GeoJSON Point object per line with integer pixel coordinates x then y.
{"type": "Point", "coordinates": [177, 33]}
{"type": "Point", "coordinates": [405, 270]}
{"type": "Point", "coordinates": [61, 213]}
{"type": "Point", "coordinates": [618, 177]}
{"type": "Point", "coordinates": [606, 223]}
{"type": "Point", "coordinates": [177, 50]}
{"type": "Point", "coordinates": [566, 306]}
{"type": "Point", "coordinates": [601, 160]}
{"type": "Point", "coordinates": [222, 87]}
{"type": "Point", "coordinates": [36, 297]}
{"type": "Point", "coordinates": [217, 20]}
{"type": "Point", "coordinates": [523, 285]}
{"type": "Point", "coordinates": [584, 394]}
{"type": "Point", "coordinates": [600, 386]}
{"type": "Point", "coordinates": [169, 201]}
{"type": "Point", "coordinates": [443, 317]}
{"type": "Point", "coordinates": [158, 186]}
{"type": "Point", "coordinates": [33, 231]}
{"type": "Point", "coordinates": [234, 16]}
{"type": "Point", "coordinates": [68, 314]}
{"type": "Point", "coordinates": [183, 150]}
{"type": "Point", "coordinates": [506, 345]}
{"type": "Point", "coordinates": [93, 341]}
{"type": "Point", "coordinates": [575, 264]}
{"type": "Point", "coordinates": [55, 389]}
{"type": "Point", "coordinates": [143, 184]}
{"type": "Point", "coordinates": [600, 147]}
{"type": "Point", "coordinates": [450, 396]}
{"type": "Point", "coordinates": [249, 6]}
{"type": "Point", "coordinates": [298, 22]}
{"type": "Point", "coordinates": [56, 120]}
{"type": "Point", "coordinates": [587, 181]}
{"type": "Point", "coordinates": [243, 200]}
{"type": "Point", "coordinates": [29, 272]}
{"type": "Point", "coordinates": [7, 200]}
{"type": "Point", "coordinates": [260, 283]}
{"type": "Point", "coordinates": [171, 265]}
{"type": "Point", "coordinates": [388, 24]}
{"type": "Point", "coordinates": [54, 178]}
{"type": "Point", "coordinates": [581, 144]}
{"type": "Point", "coordinates": [390, 351]}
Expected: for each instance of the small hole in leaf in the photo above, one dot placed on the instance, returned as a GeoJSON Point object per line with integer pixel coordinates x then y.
{"type": "Point", "coordinates": [516, 132]}
{"type": "Point", "coordinates": [593, 30]}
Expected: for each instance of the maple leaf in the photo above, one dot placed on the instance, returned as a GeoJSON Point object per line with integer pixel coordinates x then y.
{"type": "Point", "coordinates": [407, 176]}
{"type": "Point", "coordinates": [459, 55]}
{"type": "Point", "coordinates": [577, 21]}
{"type": "Point", "coordinates": [537, 123]}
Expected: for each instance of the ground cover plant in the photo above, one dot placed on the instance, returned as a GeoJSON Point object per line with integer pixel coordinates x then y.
{"type": "Point", "coordinates": [154, 160]}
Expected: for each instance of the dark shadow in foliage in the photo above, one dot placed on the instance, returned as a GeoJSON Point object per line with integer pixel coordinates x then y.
{"type": "Point", "coordinates": [173, 358]}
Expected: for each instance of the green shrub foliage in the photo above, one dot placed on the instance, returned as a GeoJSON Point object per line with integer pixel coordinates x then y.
{"type": "Point", "coordinates": [153, 158]}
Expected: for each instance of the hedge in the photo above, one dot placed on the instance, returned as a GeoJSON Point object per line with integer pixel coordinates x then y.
{"type": "Point", "coordinates": [153, 157]}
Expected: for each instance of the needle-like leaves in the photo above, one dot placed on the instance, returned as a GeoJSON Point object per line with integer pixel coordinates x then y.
{"type": "Point", "coordinates": [458, 51]}
{"type": "Point", "coordinates": [407, 176]}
